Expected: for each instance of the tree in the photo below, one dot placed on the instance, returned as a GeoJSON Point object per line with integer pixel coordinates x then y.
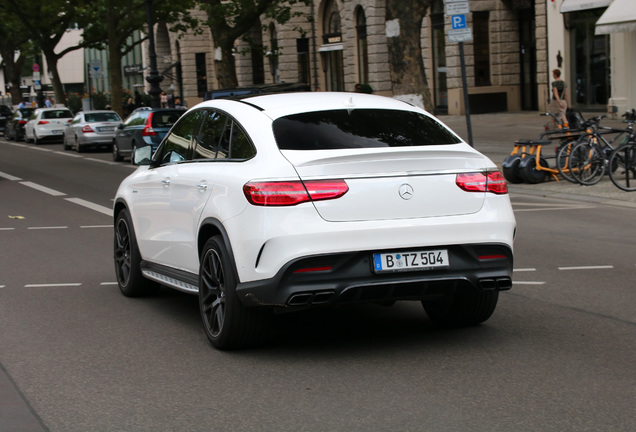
{"type": "Point", "coordinates": [14, 38]}
{"type": "Point", "coordinates": [110, 23]}
{"type": "Point", "coordinates": [229, 20]}
{"type": "Point", "coordinates": [408, 75]}
{"type": "Point", "coordinates": [47, 23]}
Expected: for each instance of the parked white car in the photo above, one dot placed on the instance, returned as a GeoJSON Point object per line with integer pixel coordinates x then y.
{"type": "Point", "coordinates": [47, 124]}
{"type": "Point", "coordinates": [91, 129]}
{"type": "Point", "coordinates": [292, 201]}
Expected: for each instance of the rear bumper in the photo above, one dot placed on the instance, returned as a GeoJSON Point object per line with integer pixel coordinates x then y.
{"type": "Point", "coordinates": [349, 278]}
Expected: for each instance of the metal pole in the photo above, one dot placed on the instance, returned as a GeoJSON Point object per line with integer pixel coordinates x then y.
{"type": "Point", "coordinates": [153, 78]}
{"type": "Point", "coordinates": [466, 103]}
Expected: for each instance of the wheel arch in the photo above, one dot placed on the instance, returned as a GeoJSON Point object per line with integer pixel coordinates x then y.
{"type": "Point", "coordinates": [211, 227]}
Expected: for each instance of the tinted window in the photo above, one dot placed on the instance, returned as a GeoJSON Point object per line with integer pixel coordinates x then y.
{"type": "Point", "coordinates": [361, 128]}
{"type": "Point", "coordinates": [165, 119]}
{"type": "Point", "coordinates": [101, 117]}
{"type": "Point", "coordinates": [242, 148]}
{"type": "Point", "coordinates": [176, 146]}
{"type": "Point", "coordinates": [211, 133]}
{"type": "Point", "coordinates": [56, 114]}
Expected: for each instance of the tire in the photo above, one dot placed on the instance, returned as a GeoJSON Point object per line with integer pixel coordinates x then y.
{"type": "Point", "coordinates": [587, 162]}
{"type": "Point", "coordinates": [529, 172]}
{"type": "Point", "coordinates": [624, 159]}
{"type": "Point", "coordinates": [66, 146]}
{"type": "Point", "coordinates": [466, 307]}
{"type": "Point", "coordinates": [36, 141]}
{"type": "Point", "coordinates": [510, 168]}
{"type": "Point", "coordinates": [128, 260]}
{"type": "Point", "coordinates": [227, 323]}
{"type": "Point", "coordinates": [563, 162]}
{"type": "Point", "coordinates": [78, 148]}
{"type": "Point", "coordinates": [116, 156]}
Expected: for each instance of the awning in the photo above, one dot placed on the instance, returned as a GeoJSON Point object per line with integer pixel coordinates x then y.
{"type": "Point", "coordinates": [579, 5]}
{"type": "Point", "coordinates": [620, 16]}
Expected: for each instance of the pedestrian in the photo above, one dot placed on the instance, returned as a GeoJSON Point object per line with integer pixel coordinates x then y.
{"type": "Point", "coordinates": [137, 99]}
{"type": "Point", "coordinates": [559, 104]}
{"type": "Point", "coordinates": [177, 102]}
{"type": "Point", "coordinates": [24, 104]}
{"type": "Point", "coordinates": [164, 100]}
{"type": "Point", "coordinates": [48, 103]}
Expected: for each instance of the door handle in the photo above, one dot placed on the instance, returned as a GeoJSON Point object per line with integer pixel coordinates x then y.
{"type": "Point", "coordinates": [202, 185]}
{"type": "Point", "coordinates": [166, 181]}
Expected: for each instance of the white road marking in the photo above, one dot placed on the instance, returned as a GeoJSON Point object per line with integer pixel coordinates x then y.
{"type": "Point", "coordinates": [54, 285]}
{"type": "Point", "coordinates": [42, 188]}
{"type": "Point", "coordinates": [529, 269]}
{"type": "Point", "coordinates": [46, 228]}
{"type": "Point", "coordinates": [7, 229]}
{"type": "Point", "coordinates": [96, 226]}
{"type": "Point", "coordinates": [600, 267]}
{"type": "Point", "coordinates": [98, 208]}
{"type": "Point", "coordinates": [108, 283]}
{"type": "Point", "coordinates": [9, 177]}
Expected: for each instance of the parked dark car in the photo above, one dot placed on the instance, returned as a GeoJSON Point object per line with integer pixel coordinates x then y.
{"type": "Point", "coordinates": [14, 129]}
{"type": "Point", "coordinates": [5, 115]}
{"type": "Point", "coordinates": [144, 126]}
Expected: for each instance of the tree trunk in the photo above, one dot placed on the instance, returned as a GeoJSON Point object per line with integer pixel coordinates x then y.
{"type": "Point", "coordinates": [114, 67]}
{"type": "Point", "coordinates": [225, 66]}
{"type": "Point", "coordinates": [404, 19]}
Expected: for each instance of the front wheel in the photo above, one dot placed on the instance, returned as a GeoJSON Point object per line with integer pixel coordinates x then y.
{"type": "Point", "coordinates": [510, 167]}
{"type": "Point", "coordinates": [128, 260]}
{"type": "Point", "coordinates": [529, 171]}
{"type": "Point", "coordinates": [623, 159]}
{"type": "Point", "coordinates": [465, 307]}
{"type": "Point", "coordinates": [587, 162]}
{"type": "Point", "coordinates": [227, 323]}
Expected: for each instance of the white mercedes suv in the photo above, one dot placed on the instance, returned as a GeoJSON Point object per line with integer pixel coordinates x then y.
{"type": "Point", "coordinates": [300, 200]}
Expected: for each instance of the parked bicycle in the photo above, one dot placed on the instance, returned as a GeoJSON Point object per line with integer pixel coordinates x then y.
{"type": "Point", "coordinates": [624, 158]}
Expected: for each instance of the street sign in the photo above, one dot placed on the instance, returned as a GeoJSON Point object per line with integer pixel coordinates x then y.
{"type": "Point", "coordinates": [36, 67]}
{"type": "Point", "coordinates": [460, 35]}
{"type": "Point", "coordinates": [458, 21]}
{"type": "Point", "coordinates": [95, 69]}
{"type": "Point", "coordinates": [457, 8]}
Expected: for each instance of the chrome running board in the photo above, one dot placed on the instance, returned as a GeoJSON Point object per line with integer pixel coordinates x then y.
{"type": "Point", "coordinates": [170, 282]}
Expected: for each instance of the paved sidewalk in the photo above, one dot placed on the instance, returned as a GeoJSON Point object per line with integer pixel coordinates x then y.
{"type": "Point", "coordinates": [495, 134]}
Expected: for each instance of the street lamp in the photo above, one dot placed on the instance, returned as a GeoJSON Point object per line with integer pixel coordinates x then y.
{"type": "Point", "coordinates": [153, 78]}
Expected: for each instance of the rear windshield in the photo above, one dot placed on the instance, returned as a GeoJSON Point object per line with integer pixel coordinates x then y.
{"type": "Point", "coordinates": [57, 114]}
{"type": "Point", "coordinates": [361, 128]}
{"type": "Point", "coordinates": [165, 119]}
{"type": "Point", "coordinates": [101, 117]}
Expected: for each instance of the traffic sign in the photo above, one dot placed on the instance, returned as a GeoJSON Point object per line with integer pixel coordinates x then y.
{"type": "Point", "coordinates": [458, 21]}
{"type": "Point", "coordinates": [36, 67]}
{"type": "Point", "coordinates": [457, 8]}
{"type": "Point", "coordinates": [460, 35]}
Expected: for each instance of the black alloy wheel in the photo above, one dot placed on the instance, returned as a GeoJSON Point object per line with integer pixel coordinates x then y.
{"type": "Point", "coordinates": [128, 260]}
{"type": "Point", "coordinates": [227, 323]}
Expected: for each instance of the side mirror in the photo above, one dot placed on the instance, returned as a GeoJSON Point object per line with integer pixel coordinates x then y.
{"type": "Point", "coordinates": [142, 155]}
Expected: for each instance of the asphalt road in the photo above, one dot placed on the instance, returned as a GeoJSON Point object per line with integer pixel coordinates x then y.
{"type": "Point", "coordinates": [75, 355]}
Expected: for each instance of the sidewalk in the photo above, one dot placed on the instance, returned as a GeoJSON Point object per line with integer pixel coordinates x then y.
{"type": "Point", "coordinates": [495, 134]}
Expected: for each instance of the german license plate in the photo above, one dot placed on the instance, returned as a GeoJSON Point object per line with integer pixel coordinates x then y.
{"type": "Point", "coordinates": [106, 129]}
{"type": "Point", "coordinates": [410, 261]}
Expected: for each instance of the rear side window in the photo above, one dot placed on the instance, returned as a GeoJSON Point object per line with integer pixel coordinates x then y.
{"type": "Point", "coordinates": [359, 128]}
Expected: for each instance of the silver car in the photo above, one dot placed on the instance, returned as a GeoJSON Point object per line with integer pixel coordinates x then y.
{"type": "Point", "coordinates": [91, 129]}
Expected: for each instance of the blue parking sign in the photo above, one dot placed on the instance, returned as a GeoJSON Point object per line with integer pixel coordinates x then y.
{"type": "Point", "coordinates": [458, 21]}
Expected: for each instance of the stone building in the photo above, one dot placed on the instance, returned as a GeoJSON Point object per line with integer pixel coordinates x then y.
{"type": "Point", "coordinates": [334, 44]}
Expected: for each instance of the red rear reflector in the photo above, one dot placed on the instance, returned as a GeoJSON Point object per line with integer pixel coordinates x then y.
{"type": "Point", "coordinates": [491, 257]}
{"type": "Point", "coordinates": [491, 181]}
{"type": "Point", "coordinates": [289, 193]}
{"type": "Point", "coordinates": [312, 269]}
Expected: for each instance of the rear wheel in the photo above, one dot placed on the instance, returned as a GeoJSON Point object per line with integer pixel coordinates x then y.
{"type": "Point", "coordinates": [466, 307]}
{"type": "Point", "coordinates": [65, 141]}
{"type": "Point", "coordinates": [227, 323]}
{"type": "Point", "coordinates": [529, 172]}
{"type": "Point", "coordinates": [563, 162]}
{"type": "Point", "coordinates": [587, 162]}
{"type": "Point", "coordinates": [78, 148]}
{"type": "Point", "coordinates": [128, 260]}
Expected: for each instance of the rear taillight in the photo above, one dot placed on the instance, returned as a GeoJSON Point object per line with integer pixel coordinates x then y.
{"type": "Point", "coordinates": [22, 122]}
{"type": "Point", "coordinates": [148, 130]}
{"type": "Point", "coordinates": [41, 122]}
{"type": "Point", "coordinates": [491, 181]}
{"type": "Point", "coordinates": [289, 193]}
{"type": "Point", "coordinates": [87, 129]}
